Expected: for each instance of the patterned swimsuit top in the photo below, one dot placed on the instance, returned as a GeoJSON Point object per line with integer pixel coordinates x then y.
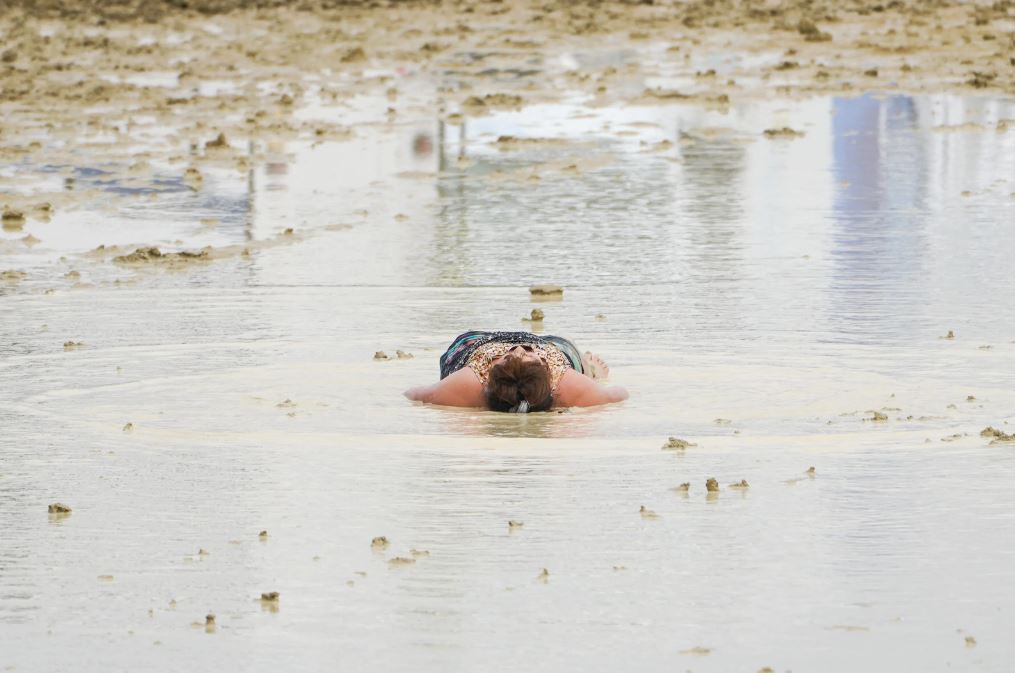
{"type": "Point", "coordinates": [484, 357]}
{"type": "Point", "coordinates": [477, 350]}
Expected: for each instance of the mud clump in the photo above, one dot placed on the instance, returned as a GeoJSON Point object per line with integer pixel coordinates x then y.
{"type": "Point", "coordinates": [494, 100]}
{"type": "Point", "coordinates": [544, 576]}
{"type": "Point", "coordinates": [11, 218]}
{"type": "Point", "coordinates": [379, 542]}
{"type": "Point", "coordinates": [997, 435]}
{"type": "Point", "coordinates": [270, 597]}
{"type": "Point", "coordinates": [381, 355]}
{"type": "Point", "coordinates": [218, 143]}
{"type": "Point", "coordinates": [401, 561]}
{"type": "Point", "coordinates": [546, 291]}
{"type": "Point", "coordinates": [129, 427]}
{"type": "Point", "coordinates": [949, 336]}
{"type": "Point", "coordinates": [784, 132]}
{"type": "Point", "coordinates": [877, 417]}
{"type": "Point", "coordinates": [12, 276]}
{"type": "Point", "coordinates": [683, 488]}
{"type": "Point", "coordinates": [742, 485]}
{"type": "Point", "coordinates": [262, 536]}
{"type": "Point", "coordinates": [677, 444]}
{"type": "Point", "coordinates": [536, 315]}
{"type": "Point", "coordinates": [148, 255]}
{"type": "Point", "coordinates": [403, 355]}
{"type": "Point", "coordinates": [811, 32]}
{"type": "Point", "coordinates": [515, 525]}
{"type": "Point", "coordinates": [72, 345]}
{"type": "Point", "coordinates": [354, 55]}
{"type": "Point", "coordinates": [59, 508]}
{"type": "Point", "coordinates": [712, 485]}
{"type": "Point", "coordinates": [646, 513]}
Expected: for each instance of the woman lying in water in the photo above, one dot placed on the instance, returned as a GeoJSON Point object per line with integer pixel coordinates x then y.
{"type": "Point", "coordinates": [518, 372]}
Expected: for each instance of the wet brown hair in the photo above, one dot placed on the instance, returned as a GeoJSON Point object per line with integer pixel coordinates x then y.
{"type": "Point", "coordinates": [513, 380]}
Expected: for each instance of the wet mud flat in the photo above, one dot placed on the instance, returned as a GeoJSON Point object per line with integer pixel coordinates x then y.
{"type": "Point", "coordinates": [786, 228]}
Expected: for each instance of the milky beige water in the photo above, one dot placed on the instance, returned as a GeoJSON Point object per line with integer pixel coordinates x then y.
{"type": "Point", "coordinates": [759, 297]}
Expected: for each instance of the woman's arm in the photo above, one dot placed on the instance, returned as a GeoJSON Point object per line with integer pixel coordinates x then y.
{"type": "Point", "coordinates": [461, 389]}
{"type": "Point", "coordinates": [578, 390]}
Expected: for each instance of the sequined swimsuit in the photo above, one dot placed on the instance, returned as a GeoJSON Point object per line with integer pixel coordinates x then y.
{"type": "Point", "coordinates": [483, 358]}
{"type": "Point", "coordinates": [477, 350]}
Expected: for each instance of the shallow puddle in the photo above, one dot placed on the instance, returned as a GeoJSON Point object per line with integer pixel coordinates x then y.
{"type": "Point", "coordinates": [760, 296]}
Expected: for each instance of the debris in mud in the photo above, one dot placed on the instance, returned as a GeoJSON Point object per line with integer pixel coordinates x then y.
{"type": "Point", "coordinates": [997, 435]}
{"type": "Point", "coordinates": [536, 315]}
{"type": "Point", "coordinates": [600, 317]}
{"type": "Point", "coordinates": [270, 596]}
{"type": "Point", "coordinates": [219, 142]}
{"type": "Point", "coordinates": [950, 335]}
{"type": "Point", "coordinates": [209, 622]}
{"type": "Point", "coordinates": [381, 355]}
{"type": "Point", "coordinates": [675, 443]}
{"type": "Point", "coordinates": [11, 218]}
{"type": "Point", "coordinates": [697, 651]}
{"type": "Point", "coordinates": [877, 416]}
{"type": "Point", "coordinates": [286, 404]}
{"type": "Point", "coordinates": [502, 100]}
{"type": "Point", "coordinates": [722, 421]}
{"type": "Point", "coordinates": [193, 178]}
{"type": "Point", "coordinates": [646, 513]}
{"type": "Point", "coordinates": [784, 132]}
{"type": "Point", "coordinates": [970, 641]}
{"type": "Point", "coordinates": [683, 488]}
{"type": "Point", "coordinates": [811, 33]}
{"type": "Point", "coordinates": [263, 535]}
{"type": "Point", "coordinates": [419, 553]}
{"type": "Point", "coordinates": [712, 485]}
{"type": "Point", "coordinates": [59, 508]}
{"type": "Point", "coordinates": [811, 472]}
{"type": "Point", "coordinates": [985, 347]}
{"type": "Point", "coordinates": [403, 355]}
{"type": "Point", "coordinates": [546, 291]}
{"type": "Point", "coordinates": [379, 542]}
{"type": "Point", "coordinates": [354, 55]}
{"type": "Point", "coordinates": [970, 398]}
{"type": "Point", "coordinates": [515, 525]}
{"type": "Point", "coordinates": [981, 80]}
{"type": "Point", "coordinates": [659, 93]}
{"type": "Point", "coordinates": [401, 561]}
{"type": "Point", "coordinates": [742, 484]}
{"type": "Point", "coordinates": [129, 427]}
{"type": "Point", "coordinates": [153, 254]}
{"type": "Point", "coordinates": [72, 345]}
{"type": "Point", "coordinates": [544, 576]}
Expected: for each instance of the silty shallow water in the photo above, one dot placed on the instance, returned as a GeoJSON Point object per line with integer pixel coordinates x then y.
{"type": "Point", "coordinates": [759, 297]}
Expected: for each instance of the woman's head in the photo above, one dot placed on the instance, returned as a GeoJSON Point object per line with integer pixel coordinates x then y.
{"type": "Point", "coordinates": [519, 376]}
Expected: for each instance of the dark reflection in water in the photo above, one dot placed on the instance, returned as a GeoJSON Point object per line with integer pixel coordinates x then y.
{"type": "Point", "coordinates": [880, 217]}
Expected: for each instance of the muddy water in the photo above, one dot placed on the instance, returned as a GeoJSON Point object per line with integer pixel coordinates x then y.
{"type": "Point", "coordinates": [760, 297]}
